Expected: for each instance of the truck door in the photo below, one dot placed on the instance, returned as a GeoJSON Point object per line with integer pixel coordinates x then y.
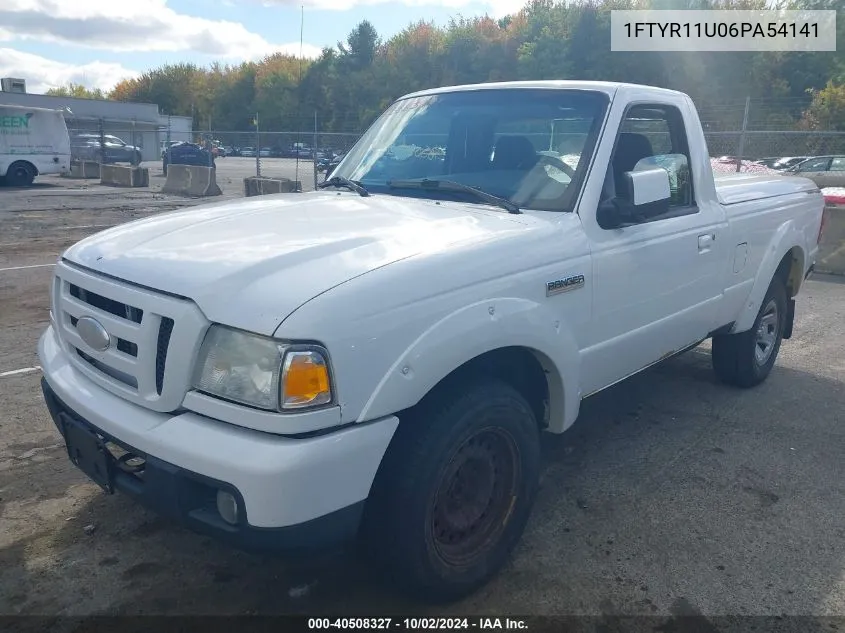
{"type": "Point", "coordinates": [657, 283]}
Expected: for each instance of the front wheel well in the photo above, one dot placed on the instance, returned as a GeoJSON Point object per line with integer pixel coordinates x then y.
{"type": "Point", "coordinates": [522, 368]}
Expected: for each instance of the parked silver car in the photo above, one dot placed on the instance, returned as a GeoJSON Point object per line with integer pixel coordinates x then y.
{"type": "Point", "coordinates": [825, 171]}
{"type": "Point", "coordinates": [113, 149]}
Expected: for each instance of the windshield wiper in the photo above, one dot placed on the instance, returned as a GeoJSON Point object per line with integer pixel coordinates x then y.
{"type": "Point", "coordinates": [451, 185]}
{"type": "Point", "coordinates": [340, 181]}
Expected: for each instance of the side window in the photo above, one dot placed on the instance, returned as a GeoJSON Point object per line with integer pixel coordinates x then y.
{"type": "Point", "coordinates": [838, 164]}
{"type": "Point", "coordinates": [654, 136]}
{"type": "Point", "coordinates": [814, 164]}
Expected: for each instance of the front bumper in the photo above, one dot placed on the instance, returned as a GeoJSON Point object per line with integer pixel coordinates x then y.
{"type": "Point", "coordinates": [292, 494]}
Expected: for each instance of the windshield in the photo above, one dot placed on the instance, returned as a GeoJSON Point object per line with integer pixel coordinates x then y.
{"type": "Point", "coordinates": [529, 146]}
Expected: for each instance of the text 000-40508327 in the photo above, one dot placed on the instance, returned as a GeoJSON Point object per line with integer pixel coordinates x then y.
{"type": "Point", "coordinates": [418, 623]}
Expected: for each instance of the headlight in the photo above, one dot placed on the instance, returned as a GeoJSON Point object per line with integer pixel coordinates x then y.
{"type": "Point", "coordinates": [262, 372]}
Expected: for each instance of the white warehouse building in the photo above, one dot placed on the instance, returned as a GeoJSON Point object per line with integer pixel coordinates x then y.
{"type": "Point", "coordinates": [139, 124]}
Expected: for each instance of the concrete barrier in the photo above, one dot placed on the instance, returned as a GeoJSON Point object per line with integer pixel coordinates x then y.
{"type": "Point", "coordinates": [254, 186]}
{"type": "Point", "coordinates": [191, 180]}
{"type": "Point", "coordinates": [831, 258]}
{"type": "Point", "coordinates": [124, 176]}
{"type": "Point", "coordinates": [83, 169]}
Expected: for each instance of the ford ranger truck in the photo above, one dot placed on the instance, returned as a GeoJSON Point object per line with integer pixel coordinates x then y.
{"type": "Point", "coordinates": [376, 361]}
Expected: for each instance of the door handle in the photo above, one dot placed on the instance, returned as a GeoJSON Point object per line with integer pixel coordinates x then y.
{"type": "Point", "coordinates": [706, 241]}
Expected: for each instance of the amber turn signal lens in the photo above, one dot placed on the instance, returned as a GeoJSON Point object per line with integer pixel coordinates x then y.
{"type": "Point", "coordinates": [305, 380]}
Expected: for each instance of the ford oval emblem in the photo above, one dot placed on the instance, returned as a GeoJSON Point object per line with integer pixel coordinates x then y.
{"type": "Point", "coordinates": [93, 333]}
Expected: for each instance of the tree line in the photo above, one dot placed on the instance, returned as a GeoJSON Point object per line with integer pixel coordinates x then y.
{"type": "Point", "coordinates": [348, 85]}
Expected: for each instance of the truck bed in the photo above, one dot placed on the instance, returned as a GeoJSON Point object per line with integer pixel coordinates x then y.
{"type": "Point", "coordinates": [734, 189]}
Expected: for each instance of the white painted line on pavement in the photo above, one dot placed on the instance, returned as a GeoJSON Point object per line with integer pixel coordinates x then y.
{"type": "Point", "coordinates": [22, 267]}
{"type": "Point", "coordinates": [24, 370]}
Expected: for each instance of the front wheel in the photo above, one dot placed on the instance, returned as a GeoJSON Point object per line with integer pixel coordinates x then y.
{"type": "Point", "coordinates": [455, 490]}
{"type": "Point", "coordinates": [746, 359]}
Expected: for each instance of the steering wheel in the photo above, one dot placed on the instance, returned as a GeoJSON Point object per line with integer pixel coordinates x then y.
{"type": "Point", "coordinates": [557, 162]}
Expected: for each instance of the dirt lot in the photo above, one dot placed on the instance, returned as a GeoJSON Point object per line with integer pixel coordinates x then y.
{"type": "Point", "coordinates": [671, 495]}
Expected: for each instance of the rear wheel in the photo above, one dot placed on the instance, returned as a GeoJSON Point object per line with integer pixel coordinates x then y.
{"type": "Point", "coordinates": [746, 359]}
{"type": "Point", "coordinates": [455, 490]}
{"type": "Point", "coordinates": [20, 174]}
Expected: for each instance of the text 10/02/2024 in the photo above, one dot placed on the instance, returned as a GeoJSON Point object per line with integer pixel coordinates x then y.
{"type": "Point", "coordinates": [418, 623]}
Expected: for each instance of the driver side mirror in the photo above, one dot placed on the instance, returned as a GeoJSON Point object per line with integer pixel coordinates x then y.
{"type": "Point", "coordinates": [646, 194]}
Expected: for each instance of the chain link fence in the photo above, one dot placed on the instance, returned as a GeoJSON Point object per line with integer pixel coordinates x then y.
{"type": "Point", "coordinates": [306, 157]}
{"type": "Point", "coordinates": [105, 144]}
{"type": "Point", "coordinates": [764, 144]}
{"type": "Point", "coordinates": [299, 156]}
{"type": "Point", "coordinates": [106, 141]}
{"type": "Point", "coordinates": [744, 132]}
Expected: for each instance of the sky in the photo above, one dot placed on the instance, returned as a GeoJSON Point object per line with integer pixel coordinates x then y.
{"type": "Point", "coordinates": [99, 42]}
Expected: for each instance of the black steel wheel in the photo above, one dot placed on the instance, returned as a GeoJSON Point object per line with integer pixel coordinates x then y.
{"type": "Point", "coordinates": [20, 174]}
{"type": "Point", "coordinates": [469, 510]}
{"type": "Point", "coordinates": [455, 489]}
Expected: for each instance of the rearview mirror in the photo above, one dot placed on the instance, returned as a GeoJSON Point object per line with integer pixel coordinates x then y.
{"type": "Point", "coordinates": [645, 194]}
{"type": "Point", "coordinates": [646, 188]}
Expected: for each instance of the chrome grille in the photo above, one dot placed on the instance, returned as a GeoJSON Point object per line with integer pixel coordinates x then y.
{"type": "Point", "coordinates": [164, 332]}
{"type": "Point", "coordinates": [143, 326]}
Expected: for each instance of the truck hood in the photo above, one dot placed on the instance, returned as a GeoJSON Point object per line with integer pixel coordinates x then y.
{"type": "Point", "coordinates": [251, 262]}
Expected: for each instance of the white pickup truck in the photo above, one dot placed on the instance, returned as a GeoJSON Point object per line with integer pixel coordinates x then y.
{"type": "Point", "coordinates": [378, 359]}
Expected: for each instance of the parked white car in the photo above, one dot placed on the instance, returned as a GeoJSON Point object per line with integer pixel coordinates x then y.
{"type": "Point", "coordinates": [380, 358]}
{"type": "Point", "coordinates": [33, 142]}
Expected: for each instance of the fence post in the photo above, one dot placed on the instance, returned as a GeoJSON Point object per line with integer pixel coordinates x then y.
{"type": "Point", "coordinates": [167, 147]}
{"type": "Point", "coordinates": [314, 151]}
{"type": "Point", "coordinates": [257, 148]}
{"type": "Point", "coordinates": [134, 156]}
{"type": "Point", "coordinates": [102, 141]}
{"type": "Point", "coordinates": [741, 149]}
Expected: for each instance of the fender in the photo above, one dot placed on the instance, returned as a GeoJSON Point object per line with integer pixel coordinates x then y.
{"type": "Point", "coordinates": [785, 239]}
{"type": "Point", "coordinates": [471, 331]}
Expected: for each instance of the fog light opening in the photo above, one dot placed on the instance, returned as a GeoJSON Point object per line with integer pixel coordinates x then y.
{"type": "Point", "coordinates": [227, 506]}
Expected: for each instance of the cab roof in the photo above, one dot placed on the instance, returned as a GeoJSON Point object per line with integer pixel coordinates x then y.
{"type": "Point", "coordinates": [608, 87]}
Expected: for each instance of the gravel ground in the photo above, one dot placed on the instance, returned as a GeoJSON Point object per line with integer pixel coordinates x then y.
{"type": "Point", "coordinates": [671, 494]}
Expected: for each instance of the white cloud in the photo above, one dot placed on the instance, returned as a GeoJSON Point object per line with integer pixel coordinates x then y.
{"type": "Point", "coordinates": [134, 25]}
{"type": "Point", "coordinates": [495, 8]}
{"type": "Point", "coordinates": [41, 74]}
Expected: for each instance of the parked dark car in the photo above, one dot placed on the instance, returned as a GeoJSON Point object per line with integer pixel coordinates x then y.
{"type": "Point", "coordinates": [188, 154]}
{"type": "Point", "coordinates": [164, 147]}
{"type": "Point", "coordinates": [787, 162]}
{"type": "Point", "coordinates": [329, 164]}
{"type": "Point", "coordinates": [111, 150]}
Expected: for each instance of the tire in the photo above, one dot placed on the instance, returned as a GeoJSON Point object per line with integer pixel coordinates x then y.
{"type": "Point", "coordinates": [746, 359]}
{"type": "Point", "coordinates": [20, 174]}
{"type": "Point", "coordinates": [424, 524]}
